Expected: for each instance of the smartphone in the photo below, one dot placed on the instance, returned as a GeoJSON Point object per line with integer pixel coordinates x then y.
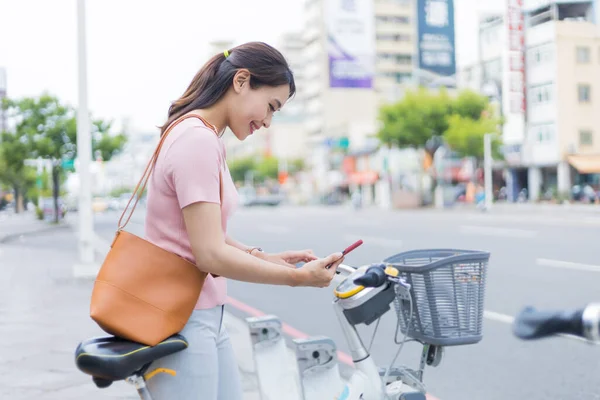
{"type": "Point", "coordinates": [349, 249]}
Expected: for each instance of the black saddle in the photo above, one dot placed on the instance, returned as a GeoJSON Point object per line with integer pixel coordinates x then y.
{"type": "Point", "coordinates": [111, 358]}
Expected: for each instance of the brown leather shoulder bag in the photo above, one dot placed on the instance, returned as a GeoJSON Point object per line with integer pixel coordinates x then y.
{"type": "Point", "coordinates": [142, 292]}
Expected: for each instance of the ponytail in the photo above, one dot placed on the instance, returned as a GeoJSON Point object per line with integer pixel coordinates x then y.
{"type": "Point", "coordinates": [266, 65]}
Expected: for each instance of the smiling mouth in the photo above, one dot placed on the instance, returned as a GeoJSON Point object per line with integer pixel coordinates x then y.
{"type": "Point", "coordinates": [253, 128]}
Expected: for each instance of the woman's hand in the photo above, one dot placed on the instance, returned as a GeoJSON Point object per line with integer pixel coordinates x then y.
{"type": "Point", "coordinates": [289, 258]}
{"type": "Point", "coordinates": [316, 273]}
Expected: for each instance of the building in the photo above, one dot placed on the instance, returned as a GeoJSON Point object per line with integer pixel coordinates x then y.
{"type": "Point", "coordinates": [345, 88]}
{"type": "Point", "coordinates": [543, 69]}
{"type": "Point", "coordinates": [563, 122]}
{"type": "Point", "coordinates": [395, 46]}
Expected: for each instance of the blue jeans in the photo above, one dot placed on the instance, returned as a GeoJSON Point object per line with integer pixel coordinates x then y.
{"type": "Point", "coordinates": [206, 370]}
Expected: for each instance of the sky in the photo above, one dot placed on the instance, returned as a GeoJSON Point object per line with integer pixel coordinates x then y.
{"type": "Point", "coordinates": [142, 54]}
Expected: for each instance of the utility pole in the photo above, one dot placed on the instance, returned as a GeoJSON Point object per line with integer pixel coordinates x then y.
{"type": "Point", "coordinates": [85, 267]}
{"type": "Point", "coordinates": [487, 173]}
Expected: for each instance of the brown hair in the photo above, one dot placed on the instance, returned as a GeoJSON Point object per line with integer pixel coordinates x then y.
{"type": "Point", "coordinates": [266, 65]}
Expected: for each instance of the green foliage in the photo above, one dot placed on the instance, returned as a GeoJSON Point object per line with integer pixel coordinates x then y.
{"type": "Point", "coordinates": [416, 118]}
{"type": "Point", "coordinates": [45, 128]}
{"type": "Point", "coordinates": [461, 121]}
{"type": "Point", "coordinates": [240, 166]}
{"type": "Point", "coordinates": [262, 168]}
{"type": "Point", "coordinates": [296, 165]}
{"type": "Point", "coordinates": [470, 104]}
{"type": "Point", "coordinates": [39, 213]}
{"type": "Point", "coordinates": [267, 168]}
{"type": "Point", "coordinates": [121, 190]}
{"type": "Point", "coordinates": [465, 135]}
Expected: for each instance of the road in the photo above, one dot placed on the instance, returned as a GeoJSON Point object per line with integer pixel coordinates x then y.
{"type": "Point", "coordinates": [545, 258]}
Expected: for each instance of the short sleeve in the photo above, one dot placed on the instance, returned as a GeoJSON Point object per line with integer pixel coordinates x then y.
{"type": "Point", "coordinates": [192, 164]}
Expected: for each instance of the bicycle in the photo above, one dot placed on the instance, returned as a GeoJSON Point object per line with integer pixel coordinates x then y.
{"type": "Point", "coordinates": [532, 324]}
{"type": "Point", "coordinates": [447, 287]}
{"type": "Point", "coordinates": [438, 296]}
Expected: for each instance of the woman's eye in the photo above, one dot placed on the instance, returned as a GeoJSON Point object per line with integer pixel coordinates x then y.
{"type": "Point", "coordinates": [271, 108]}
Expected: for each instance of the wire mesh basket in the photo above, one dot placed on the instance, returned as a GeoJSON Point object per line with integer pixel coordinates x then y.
{"type": "Point", "coordinates": [447, 289]}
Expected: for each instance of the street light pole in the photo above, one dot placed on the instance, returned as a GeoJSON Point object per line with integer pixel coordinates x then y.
{"type": "Point", "coordinates": [487, 165]}
{"type": "Point", "coordinates": [84, 153]}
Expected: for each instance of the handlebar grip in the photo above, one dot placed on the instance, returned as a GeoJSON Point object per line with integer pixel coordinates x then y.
{"type": "Point", "coordinates": [532, 324]}
{"type": "Point", "coordinates": [374, 276]}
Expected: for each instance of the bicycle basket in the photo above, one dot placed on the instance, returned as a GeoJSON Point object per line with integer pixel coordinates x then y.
{"type": "Point", "coordinates": [447, 288]}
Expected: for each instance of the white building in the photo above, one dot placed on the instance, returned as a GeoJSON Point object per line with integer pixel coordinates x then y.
{"type": "Point", "coordinates": [344, 90]}
{"type": "Point", "coordinates": [549, 135]}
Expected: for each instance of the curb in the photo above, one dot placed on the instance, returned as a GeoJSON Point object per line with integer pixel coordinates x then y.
{"type": "Point", "coordinates": [12, 236]}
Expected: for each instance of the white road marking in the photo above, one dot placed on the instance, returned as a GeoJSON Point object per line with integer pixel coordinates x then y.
{"type": "Point", "coordinates": [274, 229]}
{"type": "Point", "coordinates": [378, 241]}
{"type": "Point", "coordinates": [495, 231]}
{"type": "Point", "coordinates": [507, 319]}
{"type": "Point", "coordinates": [544, 262]}
{"type": "Point", "coordinates": [494, 316]}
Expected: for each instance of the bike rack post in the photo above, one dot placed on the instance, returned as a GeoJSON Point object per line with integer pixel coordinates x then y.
{"type": "Point", "coordinates": [275, 372]}
{"type": "Point", "coordinates": [318, 368]}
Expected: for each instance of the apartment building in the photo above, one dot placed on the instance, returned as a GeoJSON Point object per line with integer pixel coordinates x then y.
{"type": "Point", "coordinates": [395, 46]}
{"type": "Point", "coordinates": [555, 142]}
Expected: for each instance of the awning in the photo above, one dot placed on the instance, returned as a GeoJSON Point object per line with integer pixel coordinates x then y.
{"type": "Point", "coordinates": [585, 164]}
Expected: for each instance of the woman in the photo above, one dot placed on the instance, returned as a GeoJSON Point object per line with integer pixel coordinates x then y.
{"type": "Point", "coordinates": [190, 199]}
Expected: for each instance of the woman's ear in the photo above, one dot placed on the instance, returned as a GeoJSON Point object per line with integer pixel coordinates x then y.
{"type": "Point", "coordinates": [241, 79]}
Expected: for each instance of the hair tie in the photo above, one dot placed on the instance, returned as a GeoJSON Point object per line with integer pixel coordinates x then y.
{"type": "Point", "coordinates": [226, 53]}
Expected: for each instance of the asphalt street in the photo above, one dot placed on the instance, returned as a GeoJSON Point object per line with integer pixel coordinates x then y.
{"type": "Point", "coordinates": [544, 258]}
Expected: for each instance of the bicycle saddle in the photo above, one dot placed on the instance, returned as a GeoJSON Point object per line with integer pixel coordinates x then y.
{"type": "Point", "coordinates": [111, 358]}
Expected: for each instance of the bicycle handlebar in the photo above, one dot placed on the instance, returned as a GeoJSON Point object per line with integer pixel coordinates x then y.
{"type": "Point", "coordinates": [532, 324]}
{"type": "Point", "coordinates": [374, 276]}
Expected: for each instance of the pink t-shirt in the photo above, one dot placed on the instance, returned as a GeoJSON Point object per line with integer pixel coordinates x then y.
{"type": "Point", "coordinates": [186, 172]}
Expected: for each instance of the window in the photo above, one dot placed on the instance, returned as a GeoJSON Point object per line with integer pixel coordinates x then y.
{"type": "Point", "coordinates": [393, 37]}
{"type": "Point", "coordinates": [542, 133]}
{"type": "Point", "coordinates": [582, 54]}
{"type": "Point", "coordinates": [539, 55]}
{"type": "Point", "coordinates": [398, 77]}
{"type": "Point", "coordinates": [404, 59]}
{"type": "Point", "coordinates": [541, 94]}
{"type": "Point", "coordinates": [585, 137]}
{"type": "Point", "coordinates": [392, 19]}
{"type": "Point", "coordinates": [584, 93]}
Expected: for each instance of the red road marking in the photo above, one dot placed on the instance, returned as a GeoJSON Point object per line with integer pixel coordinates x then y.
{"type": "Point", "coordinates": [291, 331]}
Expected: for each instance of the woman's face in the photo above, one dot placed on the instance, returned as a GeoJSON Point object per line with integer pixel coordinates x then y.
{"type": "Point", "coordinates": [251, 109]}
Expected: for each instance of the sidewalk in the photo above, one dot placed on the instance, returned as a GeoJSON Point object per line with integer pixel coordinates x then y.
{"type": "Point", "coordinates": [44, 314]}
{"type": "Point", "coordinates": [14, 225]}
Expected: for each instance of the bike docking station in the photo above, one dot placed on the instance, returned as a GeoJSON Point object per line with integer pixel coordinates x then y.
{"type": "Point", "coordinates": [273, 363]}
{"type": "Point", "coordinates": [317, 375]}
{"type": "Point", "coordinates": [437, 296]}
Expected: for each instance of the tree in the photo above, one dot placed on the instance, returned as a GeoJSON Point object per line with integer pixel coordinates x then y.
{"type": "Point", "coordinates": [13, 172]}
{"type": "Point", "coordinates": [267, 168]}
{"type": "Point", "coordinates": [470, 104]}
{"type": "Point", "coordinates": [465, 135]}
{"type": "Point", "coordinates": [415, 119]}
{"type": "Point", "coordinates": [48, 129]}
{"type": "Point", "coordinates": [240, 166]}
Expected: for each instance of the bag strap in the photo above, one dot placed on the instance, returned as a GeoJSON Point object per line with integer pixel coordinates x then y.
{"type": "Point", "coordinates": [141, 185]}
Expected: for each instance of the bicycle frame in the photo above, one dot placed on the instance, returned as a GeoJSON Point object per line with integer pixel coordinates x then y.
{"type": "Point", "coordinates": [139, 382]}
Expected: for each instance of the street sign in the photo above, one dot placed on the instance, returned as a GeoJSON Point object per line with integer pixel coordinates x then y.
{"type": "Point", "coordinates": [68, 164]}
